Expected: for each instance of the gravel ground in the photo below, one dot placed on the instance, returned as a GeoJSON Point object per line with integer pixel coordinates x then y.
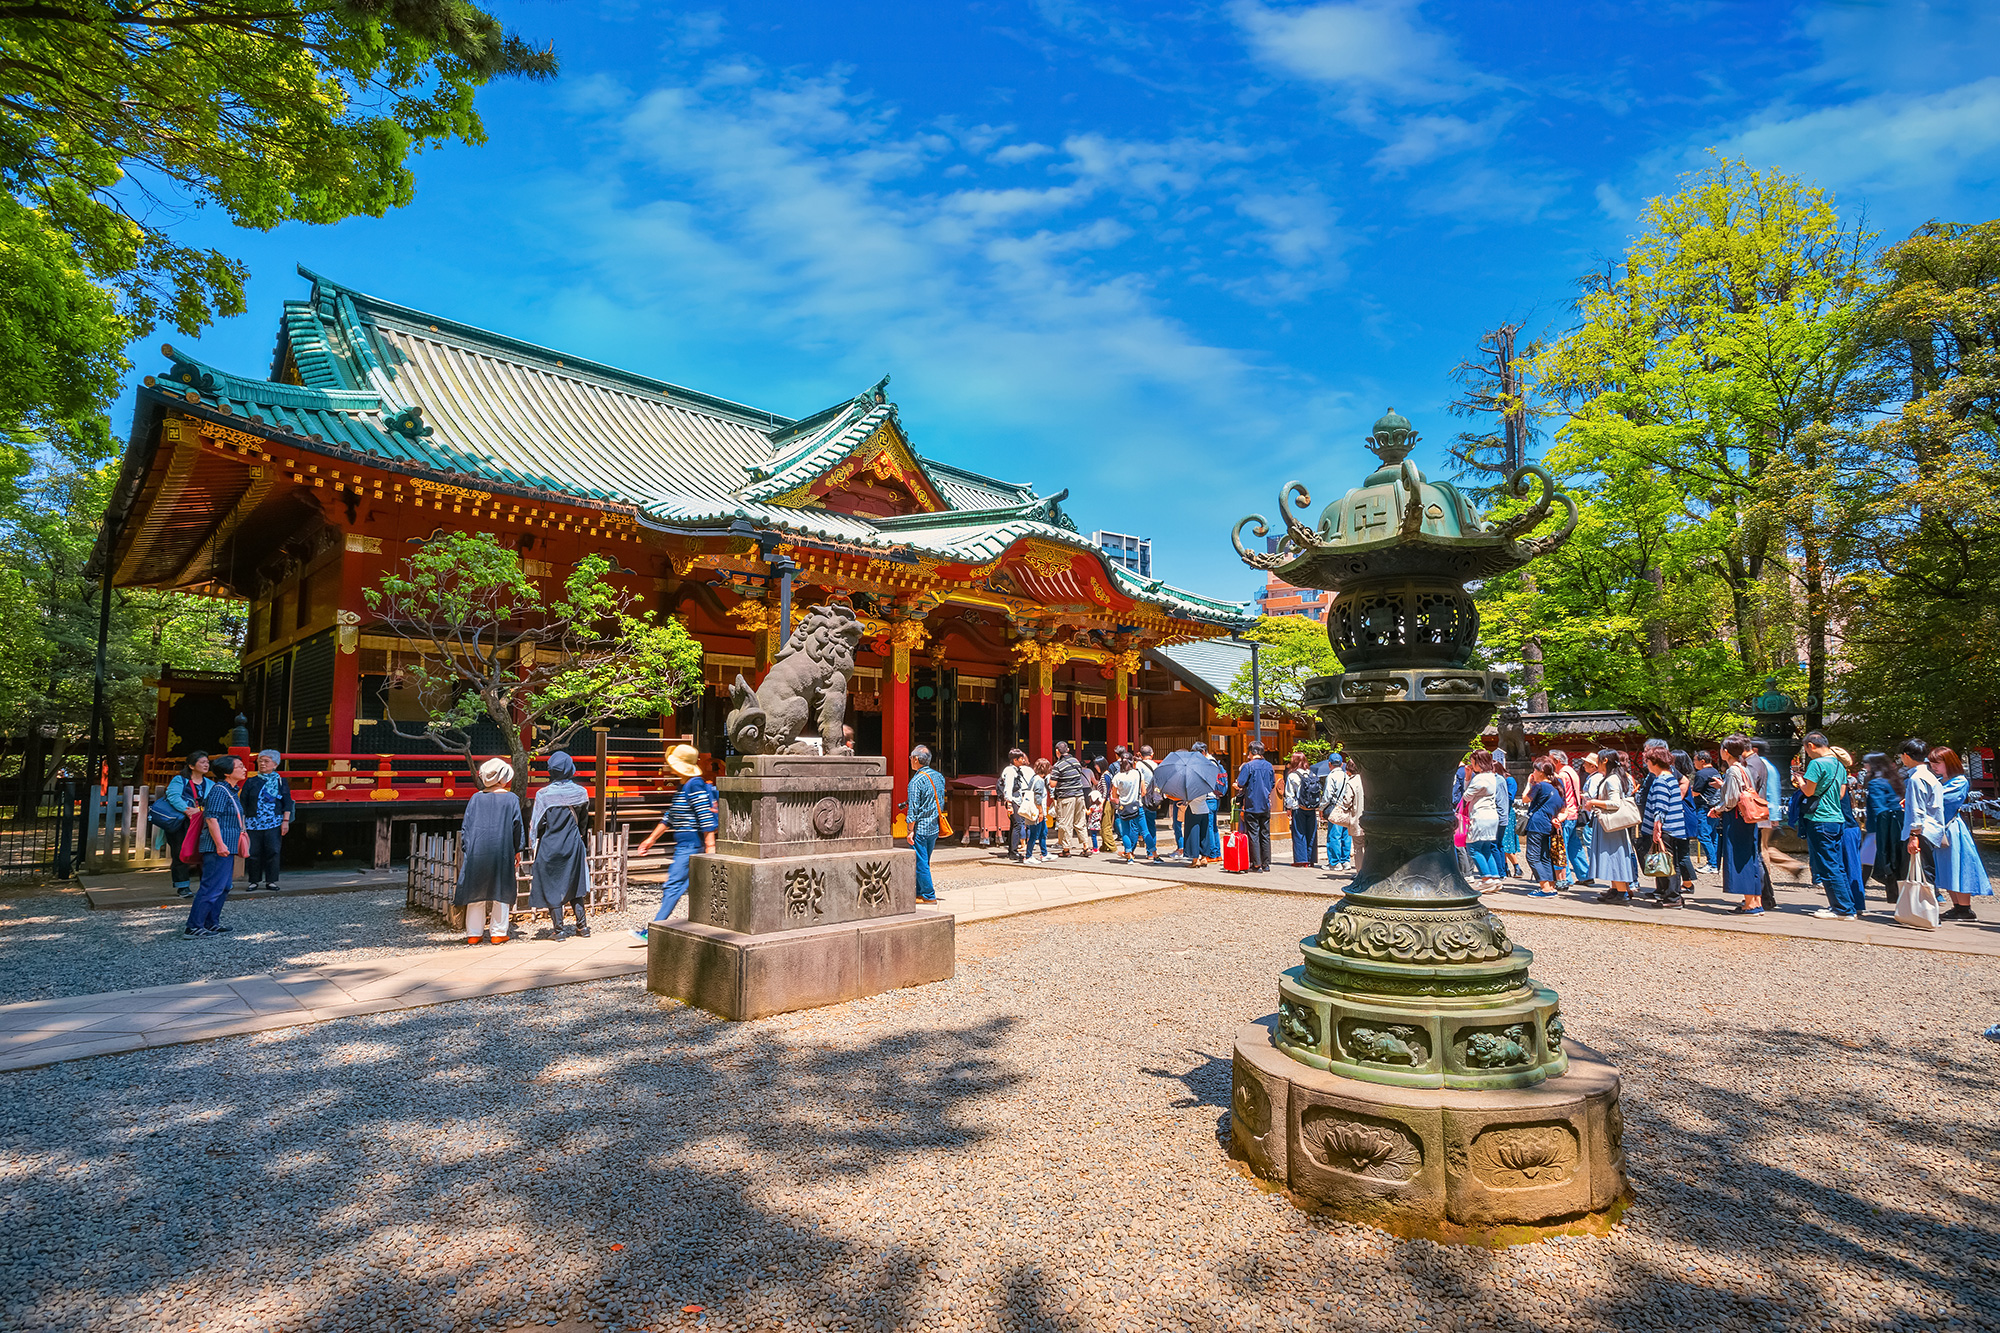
{"type": "Point", "coordinates": [1036, 1144]}
{"type": "Point", "coordinates": [52, 945]}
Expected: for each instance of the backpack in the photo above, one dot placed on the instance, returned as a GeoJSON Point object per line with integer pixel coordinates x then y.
{"type": "Point", "coordinates": [1149, 790]}
{"type": "Point", "coordinates": [1311, 789]}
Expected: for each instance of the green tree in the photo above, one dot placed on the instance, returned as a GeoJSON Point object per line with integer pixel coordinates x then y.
{"type": "Point", "coordinates": [1294, 650]}
{"type": "Point", "coordinates": [116, 116]}
{"type": "Point", "coordinates": [1724, 355]}
{"type": "Point", "coordinates": [1920, 599]}
{"type": "Point", "coordinates": [490, 647]}
{"type": "Point", "coordinates": [52, 497]}
{"type": "Point", "coordinates": [1625, 613]}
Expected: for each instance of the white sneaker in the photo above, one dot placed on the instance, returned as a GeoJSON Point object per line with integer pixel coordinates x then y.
{"type": "Point", "coordinates": [1827, 914]}
{"type": "Point", "coordinates": [1847, 916]}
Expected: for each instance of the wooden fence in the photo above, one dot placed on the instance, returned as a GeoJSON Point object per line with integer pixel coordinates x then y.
{"type": "Point", "coordinates": [433, 875]}
{"type": "Point", "coordinates": [116, 835]}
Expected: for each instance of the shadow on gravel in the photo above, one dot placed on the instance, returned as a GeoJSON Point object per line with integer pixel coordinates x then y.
{"type": "Point", "coordinates": [1801, 1210]}
{"type": "Point", "coordinates": [677, 1141]}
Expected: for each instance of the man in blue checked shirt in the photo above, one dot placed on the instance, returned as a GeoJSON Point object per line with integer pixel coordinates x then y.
{"type": "Point", "coordinates": [923, 798]}
{"type": "Point", "coordinates": [691, 816]}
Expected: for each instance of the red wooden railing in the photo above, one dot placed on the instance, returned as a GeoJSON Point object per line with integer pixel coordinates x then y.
{"type": "Point", "coordinates": [335, 778]}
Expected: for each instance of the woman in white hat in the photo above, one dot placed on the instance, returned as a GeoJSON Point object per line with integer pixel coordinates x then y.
{"type": "Point", "coordinates": [691, 817]}
{"type": "Point", "coordinates": [490, 854]}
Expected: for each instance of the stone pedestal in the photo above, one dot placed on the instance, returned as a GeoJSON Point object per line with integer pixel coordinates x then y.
{"type": "Point", "coordinates": [1488, 1166]}
{"type": "Point", "coordinates": [807, 900]}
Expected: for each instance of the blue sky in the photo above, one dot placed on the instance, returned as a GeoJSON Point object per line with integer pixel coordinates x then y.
{"type": "Point", "coordinates": [1167, 255]}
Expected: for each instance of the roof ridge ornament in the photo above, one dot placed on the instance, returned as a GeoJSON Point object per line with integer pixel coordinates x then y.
{"type": "Point", "coordinates": [187, 372]}
{"type": "Point", "coordinates": [1392, 438]}
{"type": "Point", "coordinates": [408, 423]}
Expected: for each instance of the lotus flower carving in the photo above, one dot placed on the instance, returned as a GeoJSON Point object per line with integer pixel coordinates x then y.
{"type": "Point", "coordinates": [1359, 1148]}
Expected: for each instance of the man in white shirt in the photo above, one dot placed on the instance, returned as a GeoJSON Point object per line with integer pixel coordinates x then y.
{"type": "Point", "coordinates": [1150, 819]}
{"type": "Point", "coordinates": [1923, 805]}
{"type": "Point", "coordinates": [1014, 785]}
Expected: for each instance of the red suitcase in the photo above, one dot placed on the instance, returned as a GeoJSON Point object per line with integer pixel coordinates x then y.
{"type": "Point", "coordinates": [1236, 853]}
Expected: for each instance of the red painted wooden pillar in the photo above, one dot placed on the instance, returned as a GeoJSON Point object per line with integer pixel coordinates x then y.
{"type": "Point", "coordinates": [1042, 713]}
{"type": "Point", "coordinates": [1118, 711]}
{"type": "Point", "coordinates": [896, 715]}
{"type": "Point", "coordinates": [347, 607]}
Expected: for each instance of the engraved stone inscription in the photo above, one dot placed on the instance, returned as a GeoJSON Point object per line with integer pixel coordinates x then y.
{"type": "Point", "coordinates": [872, 882]}
{"type": "Point", "coordinates": [718, 894]}
{"type": "Point", "coordinates": [804, 889]}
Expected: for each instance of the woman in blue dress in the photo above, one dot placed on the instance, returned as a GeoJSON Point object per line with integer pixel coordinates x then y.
{"type": "Point", "coordinates": [1612, 856]}
{"type": "Point", "coordinates": [1959, 872]}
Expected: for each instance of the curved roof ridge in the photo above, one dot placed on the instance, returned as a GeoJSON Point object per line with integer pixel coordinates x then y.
{"type": "Point", "coordinates": [445, 329]}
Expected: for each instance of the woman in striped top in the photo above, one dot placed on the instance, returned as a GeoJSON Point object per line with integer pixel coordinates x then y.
{"type": "Point", "coordinates": [1663, 817]}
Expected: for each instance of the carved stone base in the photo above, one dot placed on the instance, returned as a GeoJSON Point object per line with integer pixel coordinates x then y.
{"type": "Point", "coordinates": [1484, 1166]}
{"type": "Point", "coordinates": [750, 976]}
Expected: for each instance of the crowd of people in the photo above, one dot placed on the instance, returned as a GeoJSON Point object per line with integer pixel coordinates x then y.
{"type": "Point", "coordinates": [1598, 822]}
{"type": "Point", "coordinates": [1114, 803]}
{"type": "Point", "coordinates": [1601, 824]}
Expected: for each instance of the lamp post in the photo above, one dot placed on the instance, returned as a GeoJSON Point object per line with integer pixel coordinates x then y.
{"type": "Point", "coordinates": [1415, 1076]}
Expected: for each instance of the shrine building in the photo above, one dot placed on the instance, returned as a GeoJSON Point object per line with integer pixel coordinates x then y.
{"type": "Point", "coordinates": [992, 621]}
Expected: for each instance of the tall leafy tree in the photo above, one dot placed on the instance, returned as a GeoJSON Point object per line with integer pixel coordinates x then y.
{"type": "Point", "coordinates": [51, 507]}
{"type": "Point", "coordinates": [1499, 394]}
{"type": "Point", "coordinates": [1920, 599]}
{"type": "Point", "coordinates": [1293, 650]}
{"type": "Point", "coordinates": [118, 115]}
{"type": "Point", "coordinates": [1723, 356]}
{"type": "Point", "coordinates": [491, 647]}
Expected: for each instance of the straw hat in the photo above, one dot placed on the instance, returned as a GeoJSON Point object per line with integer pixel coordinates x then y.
{"type": "Point", "coordinates": [685, 760]}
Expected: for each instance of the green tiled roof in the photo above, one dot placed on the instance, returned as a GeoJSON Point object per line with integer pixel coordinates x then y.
{"type": "Point", "coordinates": [509, 411]}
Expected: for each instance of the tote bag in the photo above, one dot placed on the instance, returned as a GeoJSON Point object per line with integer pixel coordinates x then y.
{"type": "Point", "coordinates": [1917, 900]}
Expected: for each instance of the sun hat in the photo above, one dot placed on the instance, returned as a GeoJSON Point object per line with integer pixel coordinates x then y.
{"type": "Point", "coordinates": [685, 760]}
{"type": "Point", "coordinates": [561, 767]}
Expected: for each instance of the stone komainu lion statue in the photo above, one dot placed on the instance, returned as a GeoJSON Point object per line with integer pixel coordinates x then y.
{"type": "Point", "coordinates": [808, 682]}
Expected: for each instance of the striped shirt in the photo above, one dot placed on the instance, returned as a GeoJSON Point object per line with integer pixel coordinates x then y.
{"type": "Point", "coordinates": [692, 811]}
{"type": "Point", "coordinates": [1662, 801]}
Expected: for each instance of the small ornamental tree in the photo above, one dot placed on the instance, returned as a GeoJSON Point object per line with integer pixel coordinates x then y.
{"type": "Point", "coordinates": [491, 648]}
{"type": "Point", "coordinates": [1295, 649]}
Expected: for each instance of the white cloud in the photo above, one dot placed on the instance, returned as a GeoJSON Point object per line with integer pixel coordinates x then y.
{"type": "Point", "coordinates": [1890, 141]}
{"type": "Point", "coordinates": [1613, 204]}
{"type": "Point", "coordinates": [1490, 194]}
{"type": "Point", "coordinates": [1372, 48]}
{"type": "Point", "coordinates": [790, 214]}
{"type": "Point", "coordinates": [1419, 139]}
{"type": "Point", "coordinates": [1020, 152]}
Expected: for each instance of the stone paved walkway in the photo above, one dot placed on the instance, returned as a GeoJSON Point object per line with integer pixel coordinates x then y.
{"type": "Point", "coordinates": [1707, 909]}
{"type": "Point", "coordinates": [40, 1032]}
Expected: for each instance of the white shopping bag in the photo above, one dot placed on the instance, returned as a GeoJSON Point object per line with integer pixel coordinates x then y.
{"type": "Point", "coordinates": [1917, 900]}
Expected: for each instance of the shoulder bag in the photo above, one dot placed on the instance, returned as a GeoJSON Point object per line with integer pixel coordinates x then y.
{"type": "Point", "coordinates": [1623, 814]}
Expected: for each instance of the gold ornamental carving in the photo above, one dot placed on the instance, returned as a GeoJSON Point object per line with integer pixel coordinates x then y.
{"type": "Point", "coordinates": [754, 617]}
{"type": "Point", "coordinates": [1045, 559]}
